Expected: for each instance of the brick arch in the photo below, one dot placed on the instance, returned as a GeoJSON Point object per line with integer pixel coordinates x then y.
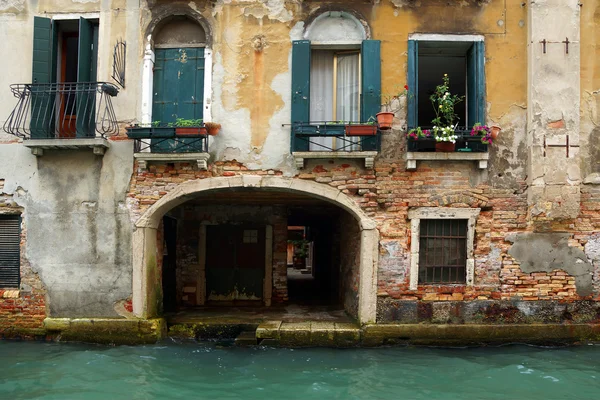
{"type": "Point", "coordinates": [147, 285]}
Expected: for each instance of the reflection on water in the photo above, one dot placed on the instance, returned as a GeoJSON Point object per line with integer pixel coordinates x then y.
{"type": "Point", "coordinates": [208, 371]}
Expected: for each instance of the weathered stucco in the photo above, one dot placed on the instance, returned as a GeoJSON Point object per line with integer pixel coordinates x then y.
{"type": "Point", "coordinates": [78, 229]}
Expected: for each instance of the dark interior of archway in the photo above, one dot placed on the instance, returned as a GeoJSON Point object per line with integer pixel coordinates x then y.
{"type": "Point", "coordinates": [230, 218]}
{"type": "Point", "coordinates": [313, 256]}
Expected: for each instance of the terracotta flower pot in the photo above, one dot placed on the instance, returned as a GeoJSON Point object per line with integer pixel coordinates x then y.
{"type": "Point", "coordinates": [183, 131]}
{"type": "Point", "coordinates": [385, 119]}
{"type": "Point", "coordinates": [361, 130]}
{"type": "Point", "coordinates": [445, 147]}
{"type": "Point", "coordinates": [495, 131]}
{"type": "Point", "coordinates": [213, 131]}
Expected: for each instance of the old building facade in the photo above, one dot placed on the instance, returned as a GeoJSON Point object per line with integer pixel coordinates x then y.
{"type": "Point", "coordinates": [107, 212]}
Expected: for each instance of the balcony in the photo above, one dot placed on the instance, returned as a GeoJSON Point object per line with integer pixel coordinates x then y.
{"type": "Point", "coordinates": [70, 115]}
{"type": "Point", "coordinates": [335, 140]}
{"type": "Point", "coordinates": [467, 148]}
{"type": "Point", "coordinates": [169, 143]}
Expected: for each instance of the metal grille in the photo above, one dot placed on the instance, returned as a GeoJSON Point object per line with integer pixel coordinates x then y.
{"type": "Point", "coordinates": [10, 239]}
{"type": "Point", "coordinates": [443, 251]}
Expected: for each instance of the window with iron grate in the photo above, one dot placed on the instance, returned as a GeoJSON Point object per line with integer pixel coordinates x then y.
{"type": "Point", "coordinates": [10, 252]}
{"type": "Point", "coordinates": [443, 251]}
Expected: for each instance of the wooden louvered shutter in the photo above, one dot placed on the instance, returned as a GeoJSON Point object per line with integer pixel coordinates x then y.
{"type": "Point", "coordinates": [10, 239]}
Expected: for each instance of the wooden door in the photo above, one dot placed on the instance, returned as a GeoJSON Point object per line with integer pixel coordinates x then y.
{"type": "Point", "coordinates": [235, 263]}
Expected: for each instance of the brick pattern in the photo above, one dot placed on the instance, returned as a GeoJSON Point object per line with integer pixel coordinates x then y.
{"type": "Point", "coordinates": [24, 307]}
{"type": "Point", "coordinates": [386, 192]}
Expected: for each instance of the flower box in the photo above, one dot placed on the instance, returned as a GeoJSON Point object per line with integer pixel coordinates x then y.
{"type": "Point", "coordinates": [361, 130]}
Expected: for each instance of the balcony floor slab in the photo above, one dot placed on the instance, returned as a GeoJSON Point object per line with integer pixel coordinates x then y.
{"type": "Point", "coordinates": [37, 146]}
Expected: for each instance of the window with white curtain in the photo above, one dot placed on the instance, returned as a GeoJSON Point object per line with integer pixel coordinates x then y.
{"type": "Point", "coordinates": [334, 93]}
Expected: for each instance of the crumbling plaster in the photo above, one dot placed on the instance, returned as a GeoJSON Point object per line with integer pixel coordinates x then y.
{"type": "Point", "coordinates": [545, 252]}
{"type": "Point", "coordinates": [78, 229]}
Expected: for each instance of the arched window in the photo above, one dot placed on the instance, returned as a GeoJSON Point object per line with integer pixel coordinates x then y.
{"type": "Point", "coordinates": [336, 76]}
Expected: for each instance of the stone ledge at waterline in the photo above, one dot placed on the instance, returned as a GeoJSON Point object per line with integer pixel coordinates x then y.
{"type": "Point", "coordinates": [106, 331]}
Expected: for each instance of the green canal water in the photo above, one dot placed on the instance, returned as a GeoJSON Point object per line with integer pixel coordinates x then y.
{"type": "Point", "coordinates": [31, 370]}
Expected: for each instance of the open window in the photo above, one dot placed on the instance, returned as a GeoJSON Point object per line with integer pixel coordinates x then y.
{"type": "Point", "coordinates": [462, 58]}
{"type": "Point", "coordinates": [64, 74]}
{"type": "Point", "coordinates": [336, 81]}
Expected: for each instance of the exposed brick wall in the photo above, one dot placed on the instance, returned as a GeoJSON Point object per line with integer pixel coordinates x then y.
{"type": "Point", "coordinates": [386, 192]}
{"type": "Point", "coordinates": [350, 262]}
{"type": "Point", "coordinates": [24, 307]}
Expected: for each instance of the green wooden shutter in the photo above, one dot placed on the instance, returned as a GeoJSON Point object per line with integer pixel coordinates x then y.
{"type": "Point", "coordinates": [370, 86]}
{"type": "Point", "coordinates": [413, 84]}
{"type": "Point", "coordinates": [10, 240]}
{"type": "Point", "coordinates": [300, 88]}
{"type": "Point", "coordinates": [86, 101]}
{"type": "Point", "coordinates": [43, 71]}
{"type": "Point", "coordinates": [476, 84]}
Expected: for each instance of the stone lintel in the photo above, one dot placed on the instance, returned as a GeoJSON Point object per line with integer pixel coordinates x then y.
{"type": "Point", "coordinates": [37, 146]}
{"type": "Point", "coordinates": [368, 156]}
{"type": "Point", "coordinates": [412, 157]}
{"type": "Point", "coordinates": [200, 158]}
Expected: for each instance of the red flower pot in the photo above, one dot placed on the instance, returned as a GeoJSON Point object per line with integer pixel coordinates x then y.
{"type": "Point", "coordinates": [445, 147]}
{"type": "Point", "coordinates": [385, 119]}
{"type": "Point", "coordinates": [361, 130]}
{"type": "Point", "coordinates": [191, 131]}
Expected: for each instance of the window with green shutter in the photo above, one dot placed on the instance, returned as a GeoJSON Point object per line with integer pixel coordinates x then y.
{"type": "Point", "coordinates": [10, 251]}
{"type": "Point", "coordinates": [330, 84]}
{"type": "Point", "coordinates": [463, 61]}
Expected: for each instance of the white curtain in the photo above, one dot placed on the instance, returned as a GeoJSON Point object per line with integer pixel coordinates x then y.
{"type": "Point", "coordinates": [321, 95]}
{"type": "Point", "coordinates": [347, 95]}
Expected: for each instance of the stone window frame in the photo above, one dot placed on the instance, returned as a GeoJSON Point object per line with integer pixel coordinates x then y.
{"type": "Point", "coordinates": [415, 216]}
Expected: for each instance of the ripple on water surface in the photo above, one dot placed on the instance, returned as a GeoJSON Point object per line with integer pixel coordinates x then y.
{"type": "Point", "coordinates": [207, 371]}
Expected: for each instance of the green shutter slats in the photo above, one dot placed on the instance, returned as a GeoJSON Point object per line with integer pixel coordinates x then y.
{"type": "Point", "coordinates": [413, 84]}
{"type": "Point", "coordinates": [10, 240]}
{"type": "Point", "coordinates": [85, 111]}
{"type": "Point", "coordinates": [43, 71]}
{"type": "Point", "coordinates": [476, 84]}
{"type": "Point", "coordinates": [300, 88]}
{"type": "Point", "coordinates": [42, 50]}
{"type": "Point", "coordinates": [370, 86]}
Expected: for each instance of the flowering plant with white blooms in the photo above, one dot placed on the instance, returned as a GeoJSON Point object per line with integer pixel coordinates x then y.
{"type": "Point", "coordinates": [446, 119]}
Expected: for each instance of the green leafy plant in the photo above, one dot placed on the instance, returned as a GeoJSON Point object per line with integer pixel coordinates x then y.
{"type": "Point", "coordinates": [417, 133]}
{"type": "Point", "coordinates": [187, 123]}
{"type": "Point", "coordinates": [395, 94]}
{"type": "Point", "coordinates": [300, 247]}
{"type": "Point", "coordinates": [443, 103]}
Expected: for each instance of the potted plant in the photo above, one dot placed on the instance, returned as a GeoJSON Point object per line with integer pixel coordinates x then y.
{"type": "Point", "coordinates": [444, 124]}
{"type": "Point", "coordinates": [212, 128]}
{"type": "Point", "coordinates": [361, 129]}
{"type": "Point", "coordinates": [189, 127]}
{"type": "Point", "coordinates": [483, 132]}
{"type": "Point", "coordinates": [385, 118]}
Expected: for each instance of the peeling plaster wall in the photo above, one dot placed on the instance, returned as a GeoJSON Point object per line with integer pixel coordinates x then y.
{"type": "Point", "coordinates": [78, 229]}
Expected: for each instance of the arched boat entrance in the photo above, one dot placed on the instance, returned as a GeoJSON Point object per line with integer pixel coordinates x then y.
{"type": "Point", "coordinates": [259, 241]}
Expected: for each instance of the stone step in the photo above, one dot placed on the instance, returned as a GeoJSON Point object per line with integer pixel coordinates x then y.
{"type": "Point", "coordinates": [246, 338]}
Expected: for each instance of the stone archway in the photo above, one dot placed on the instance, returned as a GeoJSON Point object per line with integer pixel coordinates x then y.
{"type": "Point", "coordinates": [147, 290]}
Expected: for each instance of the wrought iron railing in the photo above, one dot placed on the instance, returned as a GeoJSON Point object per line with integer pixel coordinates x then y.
{"type": "Point", "coordinates": [63, 110]}
{"type": "Point", "coordinates": [335, 136]}
{"type": "Point", "coordinates": [464, 143]}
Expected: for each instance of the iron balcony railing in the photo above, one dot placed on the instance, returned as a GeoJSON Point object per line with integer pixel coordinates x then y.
{"type": "Point", "coordinates": [168, 139]}
{"type": "Point", "coordinates": [63, 110]}
{"type": "Point", "coordinates": [335, 136]}
{"type": "Point", "coordinates": [464, 143]}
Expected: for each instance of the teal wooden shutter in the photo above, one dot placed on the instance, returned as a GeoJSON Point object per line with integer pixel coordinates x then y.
{"type": "Point", "coordinates": [476, 84]}
{"type": "Point", "coordinates": [370, 86]}
{"type": "Point", "coordinates": [86, 99]}
{"type": "Point", "coordinates": [413, 84]}
{"type": "Point", "coordinates": [300, 88]}
{"type": "Point", "coordinates": [178, 92]}
{"type": "Point", "coordinates": [43, 72]}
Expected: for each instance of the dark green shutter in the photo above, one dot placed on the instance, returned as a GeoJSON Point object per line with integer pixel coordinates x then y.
{"type": "Point", "coordinates": [178, 88]}
{"type": "Point", "coordinates": [371, 86]}
{"type": "Point", "coordinates": [413, 84]}
{"type": "Point", "coordinates": [300, 88]}
{"type": "Point", "coordinates": [10, 240]}
{"type": "Point", "coordinates": [476, 84]}
{"type": "Point", "coordinates": [44, 72]}
{"type": "Point", "coordinates": [85, 100]}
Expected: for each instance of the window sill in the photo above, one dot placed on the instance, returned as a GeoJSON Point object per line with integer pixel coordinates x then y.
{"type": "Point", "coordinates": [144, 158]}
{"type": "Point", "coordinates": [368, 156]}
{"type": "Point", "coordinates": [412, 158]}
{"type": "Point", "coordinates": [37, 146]}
